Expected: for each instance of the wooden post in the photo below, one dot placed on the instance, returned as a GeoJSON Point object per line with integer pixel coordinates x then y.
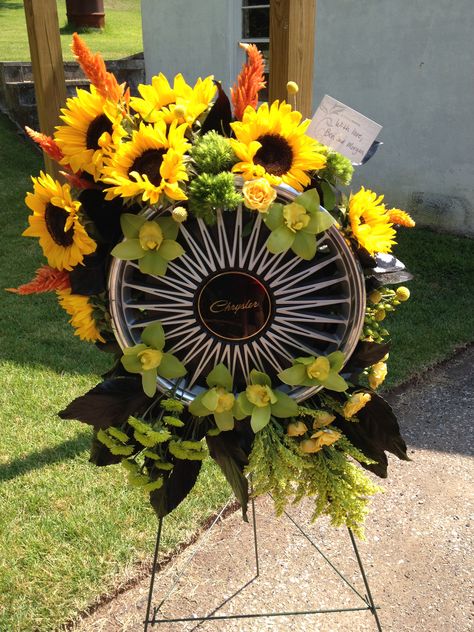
{"type": "Point", "coordinates": [292, 38]}
{"type": "Point", "coordinates": [48, 69]}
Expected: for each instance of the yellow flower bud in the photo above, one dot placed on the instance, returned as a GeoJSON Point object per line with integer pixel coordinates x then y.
{"type": "Point", "coordinates": [403, 293]}
{"type": "Point", "coordinates": [258, 194]}
{"type": "Point", "coordinates": [319, 369]}
{"type": "Point", "coordinates": [377, 374]}
{"type": "Point", "coordinates": [260, 395]}
{"type": "Point", "coordinates": [322, 418]}
{"type": "Point", "coordinates": [309, 446]}
{"type": "Point", "coordinates": [328, 436]}
{"type": "Point", "coordinates": [225, 400]}
{"type": "Point", "coordinates": [150, 236]}
{"type": "Point", "coordinates": [179, 110]}
{"type": "Point", "coordinates": [179, 214]}
{"type": "Point", "coordinates": [296, 429]}
{"type": "Point", "coordinates": [292, 87]}
{"type": "Point", "coordinates": [375, 297]}
{"type": "Point", "coordinates": [356, 402]}
{"type": "Point", "coordinates": [296, 216]}
{"type": "Point", "coordinates": [150, 358]}
{"type": "Point", "coordinates": [380, 315]}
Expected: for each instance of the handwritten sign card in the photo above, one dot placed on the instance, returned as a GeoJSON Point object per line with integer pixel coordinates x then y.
{"type": "Point", "coordinates": [342, 128]}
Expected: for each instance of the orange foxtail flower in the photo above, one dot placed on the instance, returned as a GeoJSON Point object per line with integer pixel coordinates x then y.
{"type": "Point", "coordinates": [400, 218]}
{"type": "Point", "coordinates": [47, 144]}
{"type": "Point", "coordinates": [77, 182]}
{"type": "Point", "coordinates": [47, 279]}
{"type": "Point", "coordinates": [94, 68]}
{"type": "Point", "coordinates": [250, 81]}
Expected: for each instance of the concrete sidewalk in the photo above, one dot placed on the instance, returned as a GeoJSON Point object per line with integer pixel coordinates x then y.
{"type": "Point", "coordinates": [418, 553]}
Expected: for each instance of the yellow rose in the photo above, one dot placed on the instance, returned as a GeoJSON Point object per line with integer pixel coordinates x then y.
{"type": "Point", "coordinates": [296, 429]}
{"type": "Point", "coordinates": [150, 358]}
{"type": "Point", "coordinates": [356, 402]}
{"type": "Point", "coordinates": [309, 445]}
{"type": "Point", "coordinates": [322, 418]}
{"type": "Point", "coordinates": [260, 395]}
{"type": "Point", "coordinates": [296, 216]}
{"type": "Point", "coordinates": [258, 194]}
{"type": "Point", "coordinates": [319, 369]}
{"type": "Point", "coordinates": [225, 400]}
{"type": "Point", "coordinates": [328, 436]}
{"type": "Point", "coordinates": [150, 236]}
{"type": "Point", "coordinates": [377, 374]}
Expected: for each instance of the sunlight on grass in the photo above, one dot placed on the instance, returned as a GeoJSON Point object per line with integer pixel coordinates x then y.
{"type": "Point", "coordinates": [121, 37]}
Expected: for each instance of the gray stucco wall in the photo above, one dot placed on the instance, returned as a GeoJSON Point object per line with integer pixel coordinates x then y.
{"type": "Point", "coordinates": [407, 64]}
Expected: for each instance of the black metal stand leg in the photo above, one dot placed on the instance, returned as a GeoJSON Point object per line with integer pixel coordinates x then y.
{"type": "Point", "coordinates": [370, 600]}
{"type": "Point", "coordinates": [153, 573]}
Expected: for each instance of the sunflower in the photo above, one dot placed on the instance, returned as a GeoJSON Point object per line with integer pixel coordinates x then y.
{"type": "Point", "coordinates": [82, 315]}
{"type": "Point", "coordinates": [271, 143]}
{"type": "Point", "coordinates": [370, 222]}
{"type": "Point", "coordinates": [181, 102]}
{"type": "Point", "coordinates": [92, 128]}
{"type": "Point", "coordinates": [149, 165]}
{"type": "Point", "coordinates": [55, 221]}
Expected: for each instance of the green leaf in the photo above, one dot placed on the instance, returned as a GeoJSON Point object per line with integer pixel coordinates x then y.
{"type": "Point", "coordinates": [242, 407]}
{"type": "Point", "coordinates": [304, 246]}
{"type": "Point", "coordinates": [329, 196]}
{"type": "Point", "coordinates": [335, 382]}
{"type": "Point", "coordinates": [309, 199]}
{"type": "Point", "coordinates": [131, 224]}
{"type": "Point", "coordinates": [285, 406]}
{"type": "Point", "coordinates": [336, 360]}
{"type": "Point", "coordinates": [153, 264]}
{"type": "Point", "coordinates": [274, 217]}
{"type": "Point", "coordinates": [170, 367]}
{"type": "Point", "coordinates": [149, 382]}
{"type": "Point", "coordinates": [169, 227]}
{"type": "Point", "coordinates": [210, 400]}
{"type": "Point", "coordinates": [197, 408]}
{"type": "Point", "coordinates": [128, 250]}
{"type": "Point", "coordinates": [280, 240]}
{"type": "Point", "coordinates": [319, 222]}
{"type": "Point", "coordinates": [257, 377]}
{"type": "Point", "coordinates": [170, 250]}
{"type": "Point", "coordinates": [260, 418]}
{"type": "Point", "coordinates": [294, 376]}
{"type": "Point", "coordinates": [154, 336]}
{"type": "Point", "coordinates": [225, 420]}
{"type": "Point", "coordinates": [220, 376]}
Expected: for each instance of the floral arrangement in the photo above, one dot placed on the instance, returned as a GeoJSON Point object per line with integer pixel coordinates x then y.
{"type": "Point", "coordinates": [136, 170]}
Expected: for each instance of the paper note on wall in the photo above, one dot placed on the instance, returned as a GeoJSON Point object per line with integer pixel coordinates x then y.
{"type": "Point", "coordinates": [344, 129]}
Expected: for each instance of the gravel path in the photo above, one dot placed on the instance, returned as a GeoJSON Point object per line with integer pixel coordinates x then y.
{"type": "Point", "coordinates": [418, 553]}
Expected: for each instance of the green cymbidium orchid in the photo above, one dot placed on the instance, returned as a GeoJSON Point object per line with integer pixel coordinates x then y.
{"type": "Point", "coordinates": [149, 359]}
{"type": "Point", "coordinates": [152, 242]}
{"type": "Point", "coordinates": [259, 401]}
{"type": "Point", "coordinates": [296, 225]}
{"type": "Point", "coordinates": [316, 371]}
{"type": "Point", "coordinates": [218, 400]}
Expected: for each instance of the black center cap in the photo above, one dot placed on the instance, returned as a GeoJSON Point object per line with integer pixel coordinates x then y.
{"type": "Point", "coordinates": [234, 305]}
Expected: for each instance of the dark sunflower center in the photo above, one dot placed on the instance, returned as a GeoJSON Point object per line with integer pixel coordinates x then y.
{"type": "Point", "coordinates": [98, 126]}
{"type": "Point", "coordinates": [55, 218]}
{"type": "Point", "coordinates": [148, 164]}
{"type": "Point", "coordinates": [275, 155]}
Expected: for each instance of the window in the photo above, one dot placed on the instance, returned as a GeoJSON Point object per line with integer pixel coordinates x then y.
{"type": "Point", "coordinates": [256, 30]}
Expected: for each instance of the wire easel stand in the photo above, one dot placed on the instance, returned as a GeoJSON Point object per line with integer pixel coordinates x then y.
{"type": "Point", "coordinates": [154, 617]}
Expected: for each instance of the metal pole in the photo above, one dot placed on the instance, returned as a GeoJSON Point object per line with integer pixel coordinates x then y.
{"type": "Point", "coordinates": [153, 571]}
{"type": "Point", "coordinates": [366, 582]}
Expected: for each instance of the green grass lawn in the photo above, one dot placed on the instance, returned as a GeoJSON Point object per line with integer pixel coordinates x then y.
{"type": "Point", "coordinates": [70, 531]}
{"type": "Point", "coordinates": [122, 35]}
